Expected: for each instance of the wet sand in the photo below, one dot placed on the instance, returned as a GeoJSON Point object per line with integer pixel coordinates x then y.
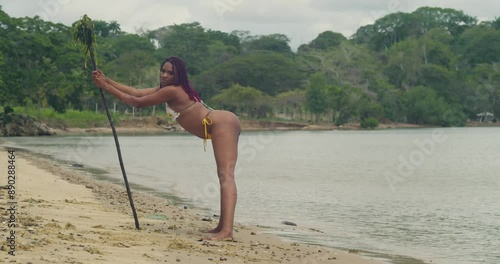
{"type": "Point", "coordinates": [68, 216]}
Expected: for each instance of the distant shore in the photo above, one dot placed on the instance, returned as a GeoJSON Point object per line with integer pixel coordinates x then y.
{"type": "Point", "coordinates": [157, 125]}
{"type": "Point", "coordinates": [141, 127]}
{"type": "Point", "coordinates": [248, 125]}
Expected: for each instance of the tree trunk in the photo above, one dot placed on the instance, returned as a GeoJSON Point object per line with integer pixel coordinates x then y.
{"type": "Point", "coordinates": [425, 55]}
{"type": "Point", "coordinates": [38, 105]}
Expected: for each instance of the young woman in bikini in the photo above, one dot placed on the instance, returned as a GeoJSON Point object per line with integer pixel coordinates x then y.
{"type": "Point", "coordinates": [187, 108]}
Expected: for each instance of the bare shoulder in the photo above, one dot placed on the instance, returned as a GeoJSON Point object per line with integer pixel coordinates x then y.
{"type": "Point", "coordinates": [176, 92]}
{"type": "Point", "coordinates": [172, 87]}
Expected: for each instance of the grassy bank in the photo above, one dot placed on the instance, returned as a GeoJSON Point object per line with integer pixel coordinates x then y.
{"type": "Point", "coordinates": [91, 119]}
{"type": "Point", "coordinates": [71, 118]}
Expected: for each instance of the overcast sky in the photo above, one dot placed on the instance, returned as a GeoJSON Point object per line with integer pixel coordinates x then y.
{"type": "Point", "coordinates": [300, 20]}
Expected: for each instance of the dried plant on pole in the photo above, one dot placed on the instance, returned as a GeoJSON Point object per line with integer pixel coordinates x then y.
{"type": "Point", "coordinates": [84, 34]}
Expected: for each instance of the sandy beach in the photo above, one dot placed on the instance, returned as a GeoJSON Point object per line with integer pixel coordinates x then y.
{"type": "Point", "coordinates": [65, 215]}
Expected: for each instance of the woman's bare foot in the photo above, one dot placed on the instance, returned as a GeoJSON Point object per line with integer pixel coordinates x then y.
{"type": "Point", "coordinates": [213, 231]}
{"type": "Point", "coordinates": [220, 236]}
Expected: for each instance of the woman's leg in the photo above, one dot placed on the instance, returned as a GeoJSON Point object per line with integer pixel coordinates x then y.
{"type": "Point", "coordinates": [225, 134]}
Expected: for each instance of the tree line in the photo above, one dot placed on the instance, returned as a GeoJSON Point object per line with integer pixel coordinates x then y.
{"type": "Point", "coordinates": [433, 66]}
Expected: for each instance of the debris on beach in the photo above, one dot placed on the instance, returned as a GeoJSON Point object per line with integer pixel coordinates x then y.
{"type": "Point", "coordinates": [289, 223]}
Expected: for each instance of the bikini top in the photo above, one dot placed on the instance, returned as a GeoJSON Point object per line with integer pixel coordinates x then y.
{"type": "Point", "coordinates": [174, 115]}
{"type": "Point", "coordinates": [171, 113]}
{"type": "Point", "coordinates": [207, 121]}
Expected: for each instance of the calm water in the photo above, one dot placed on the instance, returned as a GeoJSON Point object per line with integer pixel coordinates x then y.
{"type": "Point", "coordinates": [432, 194]}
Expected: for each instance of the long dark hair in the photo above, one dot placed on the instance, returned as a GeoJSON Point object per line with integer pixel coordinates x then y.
{"type": "Point", "coordinates": [181, 77]}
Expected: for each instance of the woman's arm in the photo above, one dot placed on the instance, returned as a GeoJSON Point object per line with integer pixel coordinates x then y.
{"type": "Point", "coordinates": [124, 88]}
{"type": "Point", "coordinates": [158, 97]}
{"type": "Point", "coordinates": [130, 90]}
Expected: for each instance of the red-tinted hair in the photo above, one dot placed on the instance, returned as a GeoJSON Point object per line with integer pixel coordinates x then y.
{"type": "Point", "coordinates": [181, 77]}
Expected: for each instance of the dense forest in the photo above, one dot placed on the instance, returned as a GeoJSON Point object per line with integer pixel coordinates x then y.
{"type": "Point", "coordinates": [433, 66]}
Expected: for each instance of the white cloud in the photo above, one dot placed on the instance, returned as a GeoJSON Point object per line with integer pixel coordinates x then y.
{"type": "Point", "coordinates": [156, 15]}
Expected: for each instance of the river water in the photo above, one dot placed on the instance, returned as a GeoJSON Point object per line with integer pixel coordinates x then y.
{"type": "Point", "coordinates": [430, 194]}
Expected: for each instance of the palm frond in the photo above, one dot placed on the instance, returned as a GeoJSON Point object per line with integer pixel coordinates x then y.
{"type": "Point", "coordinates": [84, 34]}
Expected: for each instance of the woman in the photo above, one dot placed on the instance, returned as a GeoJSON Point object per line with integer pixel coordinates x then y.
{"type": "Point", "coordinates": [187, 108]}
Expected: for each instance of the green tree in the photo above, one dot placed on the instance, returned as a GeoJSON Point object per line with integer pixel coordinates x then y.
{"type": "Point", "coordinates": [223, 46]}
{"type": "Point", "coordinates": [188, 41]}
{"type": "Point", "coordinates": [105, 29]}
{"type": "Point", "coordinates": [480, 45]}
{"type": "Point", "coordinates": [127, 43]}
{"type": "Point", "coordinates": [369, 123]}
{"type": "Point", "coordinates": [316, 99]}
{"type": "Point", "coordinates": [1, 79]}
{"type": "Point", "coordinates": [404, 62]}
{"type": "Point", "coordinates": [46, 50]}
{"type": "Point", "coordinates": [28, 49]}
{"type": "Point", "coordinates": [496, 23]}
{"type": "Point", "coordinates": [424, 106]}
{"type": "Point", "coordinates": [228, 39]}
{"type": "Point", "coordinates": [219, 53]}
{"type": "Point", "coordinates": [343, 101]}
{"type": "Point", "coordinates": [371, 110]}
{"type": "Point", "coordinates": [274, 42]}
{"type": "Point", "coordinates": [440, 80]}
{"type": "Point", "coordinates": [378, 73]}
{"type": "Point", "coordinates": [324, 41]}
{"type": "Point", "coordinates": [484, 92]}
{"type": "Point", "coordinates": [114, 27]}
{"type": "Point", "coordinates": [291, 103]}
{"type": "Point", "coordinates": [387, 31]}
{"type": "Point", "coordinates": [392, 105]}
{"type": "Point", "coordinates": [346, 65]}
{"type": "Point", "coordinates": [101, 28]}
{"type": "Point", "coordinates": [436, 48]}
{"type": "Point", "coordinates": [241, 99]}
{"type": "Point", "coordinates": [454, 21]}
{"type": "Point", "coordinates": [411, 62]}
{"type": "Point", "coordinates": [396, 27]}
{"type": "Point", "coordinates": [128, 67]}
{"type": "Point", "coordinates": [269, 72]}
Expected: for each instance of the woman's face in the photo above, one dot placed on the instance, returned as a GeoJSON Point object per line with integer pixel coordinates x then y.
{"type": "Point", "coordinates": [167, 75]}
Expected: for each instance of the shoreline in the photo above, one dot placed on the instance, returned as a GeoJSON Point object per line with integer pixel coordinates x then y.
{"type": "Point", "coordinates": [143, 128]}
{"type": "Point", "coordinates": [71, 217]}
{"type": "Point", "coordinates": [247, 125]}
{"type": "Point", "coordinates": [154, 125]}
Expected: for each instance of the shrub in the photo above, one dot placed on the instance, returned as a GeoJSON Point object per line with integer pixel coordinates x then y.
{"type": "Point", "coordinates": [369, 123]}
{"type": "Point", "coordinates": [8, 110]}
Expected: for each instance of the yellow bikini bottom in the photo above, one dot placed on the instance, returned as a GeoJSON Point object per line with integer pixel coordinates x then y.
{"type": "Point", "coordinates": [207, 121]}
